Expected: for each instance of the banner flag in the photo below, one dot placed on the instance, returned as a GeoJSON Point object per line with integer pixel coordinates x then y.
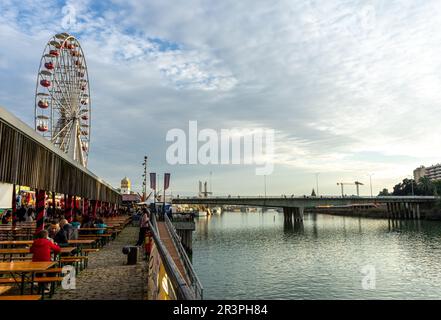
{"type": "Point", "coordinates": [153, 180]}
{"type": "Point", "coordinates": [166, 181]}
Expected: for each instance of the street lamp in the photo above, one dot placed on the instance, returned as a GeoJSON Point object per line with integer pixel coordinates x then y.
{"type": "Point", "coordinates": [144, 183]}
{"type": "Point", "coordinates": [370, 181]}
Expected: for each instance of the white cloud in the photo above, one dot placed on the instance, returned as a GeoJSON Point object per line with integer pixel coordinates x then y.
{"type": "Point", "coordinates": [334, 78]}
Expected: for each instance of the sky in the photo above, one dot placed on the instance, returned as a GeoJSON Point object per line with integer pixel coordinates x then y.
{"type": "Point", "coordinates": [350, 88]}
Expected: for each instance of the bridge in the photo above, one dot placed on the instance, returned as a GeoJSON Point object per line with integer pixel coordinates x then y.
{"type": "Point", "coordinates": [399, 207]}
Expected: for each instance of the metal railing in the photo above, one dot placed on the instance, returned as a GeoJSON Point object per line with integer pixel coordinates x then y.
{"type": "Point", "coordinates": [191, 274]}
{"type": "Point", "coordinates": [183, 291]}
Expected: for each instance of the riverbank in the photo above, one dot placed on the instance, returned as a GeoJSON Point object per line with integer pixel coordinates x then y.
{"type": "Point", "coordinates": [374, 213]}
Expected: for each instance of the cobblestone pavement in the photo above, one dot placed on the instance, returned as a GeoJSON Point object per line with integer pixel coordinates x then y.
{"type": "Point", "coordinates": [107, 276]}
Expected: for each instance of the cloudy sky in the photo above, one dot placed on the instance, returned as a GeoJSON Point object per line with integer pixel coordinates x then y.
{"type": "Point", "coordinates": [351, 88]}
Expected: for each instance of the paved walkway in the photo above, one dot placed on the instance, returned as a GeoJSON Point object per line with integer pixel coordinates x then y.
{"type": "Point", "coordinates": [168, 242]}
{"type": "Point", "coordinates": [107, 276]}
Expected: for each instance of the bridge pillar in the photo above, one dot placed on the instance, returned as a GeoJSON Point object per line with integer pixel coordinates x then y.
{"type": "Point", "coordinates": [411, 210]}
{"type": "Point", "coordinates": [300, 213]}
{"type": "Point", "coordinates": [393, 210]}
{"type": "Point", "coordinates": [414, 211]}
{"type": "Point", "coordinates": [418, 211]}
{"type": "Point", "coordinates": [285, 214]}
{"type": "Point", "coordinates": [400, 210]}
{"type": "Point", "coordinates": [405, 211]}
{"type": "Point", "coordinates": [388, 210]}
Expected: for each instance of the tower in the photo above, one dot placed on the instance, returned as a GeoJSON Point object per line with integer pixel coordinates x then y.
{"type": "Point", "coordinates": [125, 186]}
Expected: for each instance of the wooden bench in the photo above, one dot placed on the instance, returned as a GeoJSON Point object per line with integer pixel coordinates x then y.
{"type": "Point", "coordinates": [23, 297]}
{"type": "Point", "coordinates": [4, 289]}
{"type": "Point", "coordinates": [42, 280]}
{"type": "Point", "coordinates": [10, 280]}
{"type": "Point", "coordinates": [78, 261]}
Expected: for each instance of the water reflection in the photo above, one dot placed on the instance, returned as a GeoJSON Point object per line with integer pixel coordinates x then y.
{"type": "Point", "coordinates": [243, 255]}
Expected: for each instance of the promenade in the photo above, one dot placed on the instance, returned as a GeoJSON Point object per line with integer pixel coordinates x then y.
{"type": "Point", "coordinates": [107, 276]}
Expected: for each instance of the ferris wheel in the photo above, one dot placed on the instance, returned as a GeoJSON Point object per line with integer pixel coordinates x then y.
{"type": "Point", "coordinates": [62, 101]}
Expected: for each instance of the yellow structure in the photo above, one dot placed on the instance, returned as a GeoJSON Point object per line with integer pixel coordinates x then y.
{"type": "Point", "coordinates": [125, 186]}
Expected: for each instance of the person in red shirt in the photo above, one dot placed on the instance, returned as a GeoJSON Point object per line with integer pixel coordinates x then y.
{"type": "Point", "coordinates": [42, 247]}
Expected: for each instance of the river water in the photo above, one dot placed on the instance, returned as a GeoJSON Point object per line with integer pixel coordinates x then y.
{"type": "Point", "coordinates": [255, 256]}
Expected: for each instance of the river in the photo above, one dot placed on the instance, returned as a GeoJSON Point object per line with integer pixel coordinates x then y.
{"type": "Point", "coordinates": [255, 256]}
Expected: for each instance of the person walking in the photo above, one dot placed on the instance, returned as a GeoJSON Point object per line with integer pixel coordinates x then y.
{"type": "Point", "coordinates": [143, 226]}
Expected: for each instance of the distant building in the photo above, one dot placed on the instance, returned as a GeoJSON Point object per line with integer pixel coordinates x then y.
{"type": "Point", "coordinates": [433, 172]}
{"type": "Point", "coordinates": [419, 173]}
{"type": "Point", "coordinates": [125, 186]}
{"type": "Point", "coordinates": [129, 200]}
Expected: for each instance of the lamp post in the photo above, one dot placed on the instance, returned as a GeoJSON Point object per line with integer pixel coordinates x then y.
{"type": "Point", "coordinates": [144, 183]}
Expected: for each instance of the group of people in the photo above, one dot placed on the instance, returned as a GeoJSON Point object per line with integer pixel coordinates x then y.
{"type": "Point", "coordinates": [24, 214]}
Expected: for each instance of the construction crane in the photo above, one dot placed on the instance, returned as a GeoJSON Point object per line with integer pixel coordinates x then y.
{"type": "Point", "coordinates": [356, 183]}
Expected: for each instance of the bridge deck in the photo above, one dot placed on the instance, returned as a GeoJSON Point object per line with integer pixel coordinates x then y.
{"type": "Point", "coordinates": [166, 239]}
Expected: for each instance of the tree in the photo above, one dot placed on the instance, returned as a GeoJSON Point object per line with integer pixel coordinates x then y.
{"type": "Point", "coordinates": [313, 193]}
{"type": "Point", "coordinates": [426, 187]}
{"type": "Point", "coordinates": [384, 192]}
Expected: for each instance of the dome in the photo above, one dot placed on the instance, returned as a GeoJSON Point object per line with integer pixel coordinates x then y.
{"type": "Point", "coordinates": [125, 182]}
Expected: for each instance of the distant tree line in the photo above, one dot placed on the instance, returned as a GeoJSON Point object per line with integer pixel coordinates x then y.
{"type": "Point", "coordinates": [424, 187]}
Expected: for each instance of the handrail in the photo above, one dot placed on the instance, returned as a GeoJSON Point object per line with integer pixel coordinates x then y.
{"type": "Point", "coordinates": [194, 280]}
{"type": "Point", "coordinates": [183, 291]}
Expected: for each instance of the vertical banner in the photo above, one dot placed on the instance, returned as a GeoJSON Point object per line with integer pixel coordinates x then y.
{"type": "Point", "coordinates": [166, 181]}
{"type": "Point", "coordinates": [153, 180]}
{"type": "Point", "coordinates": [85, 207]}
{"type": "Point", "coordinates": [54, 204]}
{"type": "Point", "coordinates": [68, 209]}
{"type": "Point", "coordinates": [40, 210]}
{"type": "Point", "coordinates": [94, 205]}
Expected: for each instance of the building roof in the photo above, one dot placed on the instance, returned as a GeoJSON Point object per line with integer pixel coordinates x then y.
{"type": "Point", "coordinates": [131, 197]}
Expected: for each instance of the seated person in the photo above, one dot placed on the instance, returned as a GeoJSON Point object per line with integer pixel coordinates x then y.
{"type": "Point", "coordinates": [100, 224]}
{"type": "Point", "coordinates": [41, 251]}
{"type": "Point", "coordinates": [59, 235]}
{"type": "Point", "coordinates": [76, 224]}
{"type": "Point", "coordinates": [71, 233]}
{"type": "Point", "coordinates": [41, 247]}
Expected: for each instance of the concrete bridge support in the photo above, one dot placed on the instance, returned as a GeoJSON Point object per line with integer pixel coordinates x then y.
{"type": "Point", "coordinates": [403, 211]}
{"type": "Point", "coordinates": [298, 214]}
{"type": "Point", "coordinates": [287, 214]}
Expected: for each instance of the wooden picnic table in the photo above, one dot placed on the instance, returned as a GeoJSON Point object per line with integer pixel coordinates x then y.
{"type": "Point", "coordinates": [26, 251]}
{"type": "Point", "coordinates": [25, 267]}
{"type": "Point", "coordinates": [22, 297]}
{"type": "Point", "coordinates": [4, 289]}
{"type": "Point", "coordinates": [80, 242]}
{"type": "Point", "coordinates": [91, 229]}
{"type": "Point", "coordinates": [16, 242]}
